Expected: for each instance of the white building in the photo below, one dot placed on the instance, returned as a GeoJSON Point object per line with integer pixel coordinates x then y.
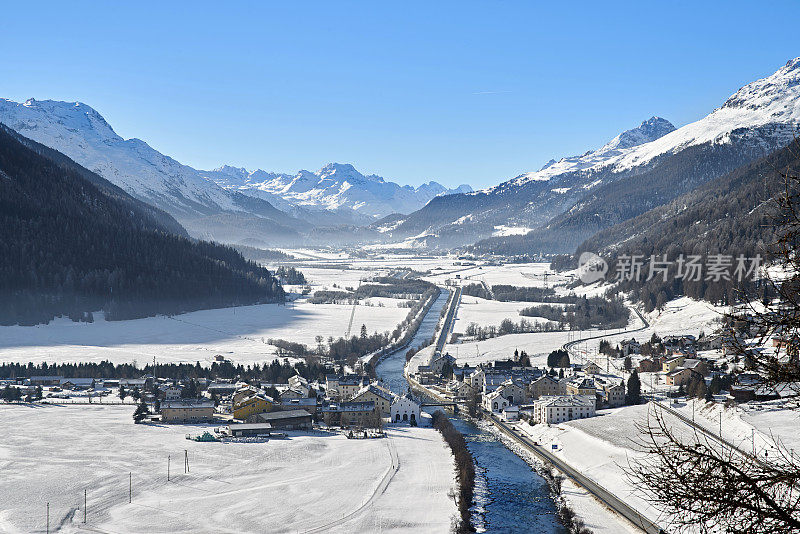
{"type": "Point", "coordinates": [495, 402]}
{"type": "Point", "coordinates": [563, 408]}
{"type": "Point", "coordinates": [404, 408]}
{"type": "Point", "coordinates": [511, 413]}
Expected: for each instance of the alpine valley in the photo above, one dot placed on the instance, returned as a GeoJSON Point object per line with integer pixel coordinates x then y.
{"type": "Point", "coordinates": [551, 210]}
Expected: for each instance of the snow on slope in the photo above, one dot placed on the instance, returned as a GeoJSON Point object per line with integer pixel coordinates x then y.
{"type": "Point", "coordinates": [334, 187]}
{"type": "Point", "coordinates": [771, 101]}
{"type": "Point", "coordinates": [648, 131]}
{"type": "Point", "coordinates": [82, 134]}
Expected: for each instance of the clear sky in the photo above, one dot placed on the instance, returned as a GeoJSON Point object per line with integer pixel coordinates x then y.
{"type": "Point", "coordinates": [454, 92]}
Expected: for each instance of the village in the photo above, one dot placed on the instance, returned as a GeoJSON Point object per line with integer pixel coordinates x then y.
{"type": "Point", "coordinates": [348, 402]}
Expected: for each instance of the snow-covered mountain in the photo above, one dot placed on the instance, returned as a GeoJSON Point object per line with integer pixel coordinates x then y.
{"type": "Point", "coordinates": [570, 199]}
{"type": "Point", "coordinates": [82, 134]}
{"type": "Point", "coordinates": [335, 187]}
{"type": "Point", "coordinates": [650, 130]}
{"type": "Point", "coordinates": [229, 204]}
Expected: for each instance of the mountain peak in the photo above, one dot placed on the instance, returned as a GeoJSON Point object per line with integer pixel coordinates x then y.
{"type": "Point", "coordinates": [649, 130]}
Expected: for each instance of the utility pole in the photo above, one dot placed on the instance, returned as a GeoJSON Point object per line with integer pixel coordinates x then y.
{"type": "Point", "coordinates": [48, 518]}
{"type": "Point", "coordinates": [185, 461]}
{"type": "Point", "coordinates": [168, 460]}
{"type": "Point", "coordinates": [130, 487]}
{"type": "Point", "coordinates": [84, 506]}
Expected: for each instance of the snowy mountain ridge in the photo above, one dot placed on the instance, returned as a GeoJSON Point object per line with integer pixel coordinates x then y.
{"type": "Point", "coordinates": [82, 134]}
{"type": "Point", "coordinates": [336, 186]}
{"type": "Point", "coordinates": [771, 100]}
{"type": "Point", "coordinates": [647, 131]}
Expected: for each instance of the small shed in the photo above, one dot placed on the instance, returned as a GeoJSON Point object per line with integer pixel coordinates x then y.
{"type": "Point", "coordinates": [243, 430]}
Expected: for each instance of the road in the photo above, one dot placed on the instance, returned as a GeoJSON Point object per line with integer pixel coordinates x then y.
{"type": "Point", "coordinates": [598, 491]}
{"type": "Point", "coordinates": [568, 345]}
{"type": "Point", "coordinates": [449, 318]}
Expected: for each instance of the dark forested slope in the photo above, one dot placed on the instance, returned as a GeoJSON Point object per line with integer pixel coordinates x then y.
{"type": "Point", "coordinates": [72, 242]}
{"type": "Point", "coordinates": [732, 215]}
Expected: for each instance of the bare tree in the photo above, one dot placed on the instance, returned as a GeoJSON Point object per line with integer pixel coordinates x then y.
{"type": "Point", "coordinates": [709, 485]}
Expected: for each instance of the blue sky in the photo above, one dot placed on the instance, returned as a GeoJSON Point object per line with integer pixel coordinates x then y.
{"type": "Point", "coordinates": [454, 92]}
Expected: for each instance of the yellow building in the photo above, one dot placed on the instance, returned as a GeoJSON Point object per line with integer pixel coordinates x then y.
{"type": "Point", "coordinates": [672, 364]}
{"type": "Point", "coordinates": [251, 406]}
{"type": "Point", "coordinates": [381, 398]}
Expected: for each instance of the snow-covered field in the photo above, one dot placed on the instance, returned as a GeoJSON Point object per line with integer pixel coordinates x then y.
{"type": "Point", "coordinates": [487, 312]}
{"type": "Point", "coordinates": [239, 334]}
{"type": "Point", "coordinates": [308, 482]}
{"type": "Point", "coordinates": [599, 448]}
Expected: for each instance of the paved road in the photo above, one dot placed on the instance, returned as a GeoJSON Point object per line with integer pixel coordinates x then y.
{"type": "Point", "coordinates": [599, 492]}
{"type": "Point", "coordinates": [449, 319]}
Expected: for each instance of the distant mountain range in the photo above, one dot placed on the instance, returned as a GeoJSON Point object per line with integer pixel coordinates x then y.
{"type": "Point", "coordinates": [555, 208]}
{"type": "Point", "coordinates": [551, 210]}
{"type": "Point", "coordinates": [228, 204]}
{"type": "Point", "coordinates": [335, 187]}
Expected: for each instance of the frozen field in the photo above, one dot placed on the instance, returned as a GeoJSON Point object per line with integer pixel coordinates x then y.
{"type": "Point", "coordinates": [488, 312]}
{"type": "Point", "coordinates": [239, 334]}
{"type": "Point", "coordinates": [307, 483]}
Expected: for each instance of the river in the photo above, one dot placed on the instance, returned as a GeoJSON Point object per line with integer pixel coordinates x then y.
{"type": "Point", "coordinates": [510, 496]}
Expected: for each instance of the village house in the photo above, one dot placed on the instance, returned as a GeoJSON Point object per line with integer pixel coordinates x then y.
{"type": "Point", "coordinates": [460, 390]}
{"type": "Point", "coordinates": [381, 397]}
{"type": "Point", "coordinates": [348, 413]}
{"type": "Point", "coordinates": [494, 402]}
{"type": "Point", "coordinates": [563, 408]}
{"type": "Point", "coordinates": [713, 342]}
{"type": "Point", "coordinates": [131, 383]}
{"type": "Point", "coordinates": [439, 362]}
{"type": "Point", "coordinates": [45, 380]}
{"type": "Point", "coordinates": [300, 384]}
{"type": "Point", "coordinates": [678, 377]}
{"type": "Point", "coordinates": [244, 393]}
{"type": "Point", "coordinates": [696, 366]}
{"type": "Point", "coordinates": [591, 368]}
{"type": "Point", "coordinates": [513, 392]}
{"type": "Point", "coordinates": [610, 392]}
{"type": "Point", "coordinates": [284, 419]}
{"type": "Point", "coordinates": [77, 384]}
{"type": "Point", "coordinates": [290, 393]}
{"type": "Point", "coordinates": [222, 389]}
{"type": "Point", "coordinates": [348, 386]}
{"type": "Point", "coordinates": [648, 365]}
{"type": "Point", "coordinates": [546, 385]}
{"type": "Point", "coordinates": [308, 404]}
{"type": "Point", "coordinates": [672, 363]}
{"type": "Point", "coordinates": [629, 346]}
{"type": "Point", "coordinates": [187, 411]}
{"type": "Point", "coordinates": [170, 393]}
{"type": "Point", "coordinates": [331, 384]}
{"type": "Point", "coordinates": [252, 405]}
{"type": "Point", "coordinates": [404, 408]}
{"type": "Point", "coordinates": [511, 413]}
{"type": "Point", "coordinates": [493, 380]}
{"type": "Point", "coordinates": [580, 386]}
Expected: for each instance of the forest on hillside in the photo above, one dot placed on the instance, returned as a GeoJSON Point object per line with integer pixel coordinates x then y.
{"type": "Point", "coordinates": [733, 215]}
{"type": "Point", "coordinates": [72, 243]}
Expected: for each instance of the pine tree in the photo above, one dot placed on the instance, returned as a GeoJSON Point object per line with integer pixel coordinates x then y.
{"type": "Point", "coordinates": [141, 412]}
{"type": "Point", "coordinates": [634, 389]}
